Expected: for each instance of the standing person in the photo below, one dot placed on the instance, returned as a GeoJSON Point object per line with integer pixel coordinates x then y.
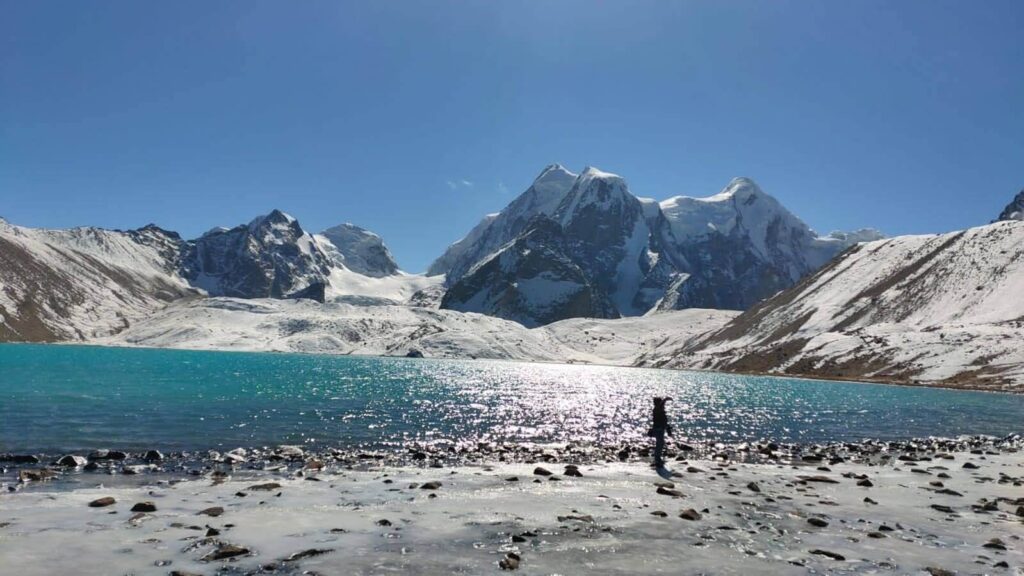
{"type": "Point", "coordinates": [659, 429]}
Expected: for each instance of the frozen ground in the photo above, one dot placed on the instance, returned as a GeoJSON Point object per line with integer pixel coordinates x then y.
{"type": "Point", "coordinates": [393, 330]}
{"type": "Point", "coordinates": [620, 518]}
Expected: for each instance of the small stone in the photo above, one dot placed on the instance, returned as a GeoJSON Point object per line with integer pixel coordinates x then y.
{"type": "Point", "coordinates": [869, 501]}
{"type": "Point", "coordinates": [659, 514]}
{"type": "Point", "coordinates": [212, 511]}
{"type": "Point", "coordinates": [72, 461]}
{"type": "Point", "coordinates": [970, 466]}
{"type": "Point", "coordinates": [308, 554]}
{"type": "Point", "coordinates": [865, 483]}
{"type": "Point", "coordinates": [510, 561]}
{"type": "Point", "coordinates": [573, 471]}
{"type": "Point", "coordinates": [102, 502]}
{"type": "Point", "coordinates": [383, 522]}
{"type": "Point", "coordinates": [433, 485]}
{"type": "Point", "coordinates": [669, 492]}
{"type": "Point", "coordinates": [224, 552]}
{"type": "Point", "coordinates": [518, 539]}
{"type": "Point", "coordinates": [876, 535]}
{"type": "Point", "coordinates": [994, 544]}
{"type": "Point", "coordinates": [267, 487]}
{"type": "Point", "coordinates": [939, 571]}
{"type": "Point", "coordinates": [144, 507]}
{"type": "Point", "coordinates": [690, 514]}
{"type": "Point", "coordinates": [539, 471]}
{"type": "Point", "coordinates": [817, 522]}
{"type": "Point", "coordinates": [942, 508]}
{"type": "Point", "coordinates": [828, 554]}
{"type": "Point", "coordinates": [753, 487]}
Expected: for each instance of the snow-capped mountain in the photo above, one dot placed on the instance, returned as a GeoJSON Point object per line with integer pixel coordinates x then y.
{"type": "Point", "coordinates": [1015, 209]}
{"type": "Point", "coordinates": [84, 282]}
{"type": "Point", "coordinates": [726, 251]}
{"type": "Point", "coordinates": [271, 257]}
{"type": "Point", "coordinates": [935, 309]}
{"type": "Point", "coordinates": [530, 280]}
{"type": "Point", "coordinates": [358, 250]}
{"type": "Point", "coordinates": [742, 245]}
{"type": "Point", "coordinates": [542, 198]}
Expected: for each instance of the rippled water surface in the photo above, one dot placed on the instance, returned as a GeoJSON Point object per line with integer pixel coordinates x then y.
{"type": "Point", "coordinates": [57, 398]}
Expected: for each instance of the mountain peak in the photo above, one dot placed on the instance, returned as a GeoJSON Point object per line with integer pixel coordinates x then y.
{"type": "Point", "coordinates": [1015, 209]}
{"type": "Point", "coordinates": [359, 250]}
{"type": "Point", "coordinates": [591, 172]}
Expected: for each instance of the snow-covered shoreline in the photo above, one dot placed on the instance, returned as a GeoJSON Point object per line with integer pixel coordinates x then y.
{"type": "Point", "coordinates": [943, 512]}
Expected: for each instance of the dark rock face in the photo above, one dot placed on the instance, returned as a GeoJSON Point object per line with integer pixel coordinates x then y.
{"type": "Point", "coordinates": [1014, 210]}
{"type": "Point", "coordinates": [271, 257]}
{"type": "Point", "coordinates": [530, 281]}
{"type": "Point", "coordinates": [360, 251]}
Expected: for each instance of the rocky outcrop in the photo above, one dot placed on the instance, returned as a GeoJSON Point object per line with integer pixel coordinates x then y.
{"type": "Point", "coordinates": [271, 257]}
{"type": "Point", "coordinates": [1014, 210]}
{"type": "Point", "coordinates": [531, 281]}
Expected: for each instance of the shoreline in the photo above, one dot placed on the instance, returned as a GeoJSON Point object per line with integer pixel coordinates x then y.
{"type": "Point", "coordinates": [927, 506]}
{"type": "Point", "coordinates": [803, 377]}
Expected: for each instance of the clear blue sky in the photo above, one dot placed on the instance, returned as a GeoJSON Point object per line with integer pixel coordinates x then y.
{"type": "Point", "coordinates": [413, 119]}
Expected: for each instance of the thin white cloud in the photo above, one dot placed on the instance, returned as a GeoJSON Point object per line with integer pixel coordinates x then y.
{"type": "Point", "coordinates": [456, 184]}
{"type": "Point", "coordinates": [502, 189]}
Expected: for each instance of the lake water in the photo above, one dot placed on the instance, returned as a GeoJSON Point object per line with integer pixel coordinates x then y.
{"type": "Point", "coordinates": [64, 398]}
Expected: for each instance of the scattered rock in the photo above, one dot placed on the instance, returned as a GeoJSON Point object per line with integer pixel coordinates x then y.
{"type": "Point", "coordinates": [102, 502]}
{"type": "Point", "coordinates": [72, 461]}
{"type": "Point", "coordinates": [573, 471]}
{"type": "Point", "coordinates": [383, 522]}
{"type": "Point", "coordinates": [753, 487]}
{"type": "Point", "coordinates": [212, 511]}
{"type": "Point", "coordinates": [153, 456]}
{"type": "Point", "coordinates": [828, 554]}
{"type": "Point", "coordinates": [939, 571]}
{"type": "Point", "coordinates": [267, 487]}
{"type": "Point", "coordinates": [433, 485]}
{"type": "Point", "coordinates": [690, 514]}
{"type": "Point", "coordinates": [669, 492]}
{"type": "Point", "coordinates": [865, 483]}
{"type": "Point", "coordinates": [144, 507]}
{"type": "Point", "coordinates": [225, 552]}
{"type": "Point", "coordinates": [510, 561]}
{"type": "Point", "coordinates": [814, 521]}
{"type": "Point", "coordinates": [659, 514]}
{"type": "Point", "coordinates": [539, 471]}
{"type": "Point", "coordinates": [577, 517]}
{"type": "Point", "coordinates": [308, 554]}
{"type": "Point", "coordinates": [942, 508]}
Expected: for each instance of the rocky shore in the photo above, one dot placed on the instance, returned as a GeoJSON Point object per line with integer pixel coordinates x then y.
{"type": "Point", "coordinates": [928, 506]}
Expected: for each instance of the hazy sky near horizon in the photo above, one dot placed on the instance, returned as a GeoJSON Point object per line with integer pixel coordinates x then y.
{"type": "Point", "coordinates": [414, 119]}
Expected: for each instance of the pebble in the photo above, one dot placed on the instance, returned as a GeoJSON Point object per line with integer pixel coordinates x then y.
{"type": "Point", "coordinates": [539, 471]}
{"type": "Point", "coordinates": [813, 521]}
{"type": "Point", "coordinates": [102, 502]}
{"type": "Point", "coordinates": [828, 554]}
{"type": "Point", "coordinates": [224, 552]}
{"type": "Point", "coordinates": [212, 511]}
{"type": "Point", "coordinates": [144, 507]}
{"type": "Point", "coordinates": [690, 514]}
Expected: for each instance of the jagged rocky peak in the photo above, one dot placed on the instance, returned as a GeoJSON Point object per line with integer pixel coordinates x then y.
{"type": "Point", "coordinates": [1015, 209]}
{"type": "Point", "coordinates": [271, 257]}
{"type": "Point", "coordinates": [359, 250]}
{"type": "Point", "coordinates": [542, 198]}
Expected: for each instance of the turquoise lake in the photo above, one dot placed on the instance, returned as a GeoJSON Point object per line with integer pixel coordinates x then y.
{"type": "Point", "coordinates": [63, 398]}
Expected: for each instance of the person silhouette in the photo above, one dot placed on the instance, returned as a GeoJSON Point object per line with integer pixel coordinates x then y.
{"type": "Point", "coordinates": [658, 430]}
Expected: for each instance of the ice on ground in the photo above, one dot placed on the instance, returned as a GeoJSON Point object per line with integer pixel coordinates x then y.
{"type": "Point", "coordinates": [615, 519]}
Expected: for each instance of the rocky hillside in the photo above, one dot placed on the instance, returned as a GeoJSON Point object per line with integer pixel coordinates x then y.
{"type": "Point", "coordinates": [727, 251]}
{"type": "Point", "coordinates": [936, 309]}
{"type": "Point", "coordinates": [84, 282]}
